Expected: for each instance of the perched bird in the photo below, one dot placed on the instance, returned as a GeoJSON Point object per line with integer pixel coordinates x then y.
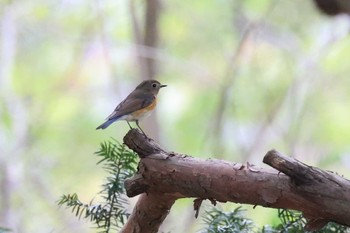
{"type": "Point", "coordinates": [137, 105]}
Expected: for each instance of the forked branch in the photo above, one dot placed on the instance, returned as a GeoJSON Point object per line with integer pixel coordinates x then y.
{"type": "Point", "coordinates": [164, 176]}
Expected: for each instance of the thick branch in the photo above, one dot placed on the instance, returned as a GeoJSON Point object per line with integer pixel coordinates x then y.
{"type": "Point", "coordinates": [328, 190]}
{"type": "Point", "coordinates": [320, 195]}
{"type": "Point", "coordinates": [149, 213]}
{"type": "Point", "coordinates": [141, 145]}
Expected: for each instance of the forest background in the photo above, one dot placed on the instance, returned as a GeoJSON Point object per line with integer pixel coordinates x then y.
{"type": "Point", "coordinates": [243, 77]}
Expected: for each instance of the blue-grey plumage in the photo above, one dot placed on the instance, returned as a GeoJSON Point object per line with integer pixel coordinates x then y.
{"type": "Point", "coordinates": [137, 105]}
{"type": "Point", "coordinates": [107, 123]}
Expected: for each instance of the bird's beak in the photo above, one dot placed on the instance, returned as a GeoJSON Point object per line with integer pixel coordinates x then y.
{"type": "Point", "coordinates": [163, 86]}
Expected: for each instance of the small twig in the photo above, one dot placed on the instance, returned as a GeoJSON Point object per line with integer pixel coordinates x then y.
{"type": "Point", "coordinates": [197, 205]}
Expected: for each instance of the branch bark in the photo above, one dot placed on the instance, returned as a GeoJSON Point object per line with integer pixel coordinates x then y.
{"type": "Point", "coordinates": [165, 176]}
{"type": "Point", "coordinates": [149, 213]}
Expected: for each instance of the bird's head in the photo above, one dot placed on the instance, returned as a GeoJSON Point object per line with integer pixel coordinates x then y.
{"type": "Point", "coordinates": [152, 86]}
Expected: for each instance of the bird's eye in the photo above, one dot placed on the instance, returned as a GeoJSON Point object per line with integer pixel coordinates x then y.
{"type": "Point", "coordinates": [154, 85]}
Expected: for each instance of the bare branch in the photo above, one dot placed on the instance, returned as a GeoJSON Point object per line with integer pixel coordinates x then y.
{"type": "Point", "coordinates": [322, 196]}
{"type": "Point", "coordinates": [149, 213]}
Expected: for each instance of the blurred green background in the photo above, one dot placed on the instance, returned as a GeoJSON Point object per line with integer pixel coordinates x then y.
{"type": "Point", "coordinates": [243, 77]}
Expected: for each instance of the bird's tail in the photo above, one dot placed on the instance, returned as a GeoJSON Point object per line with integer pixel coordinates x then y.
{"type": "Point", "coordinates": [106, 124]}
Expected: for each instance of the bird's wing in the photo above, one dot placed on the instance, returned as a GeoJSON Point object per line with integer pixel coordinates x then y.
{"type": "Point", "coordinates": [133, 102]}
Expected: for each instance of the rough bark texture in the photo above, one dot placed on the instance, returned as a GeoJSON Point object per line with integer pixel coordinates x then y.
{"type": "Point", "coordinates": [321, 196]}
{"type": "Point", "coordinates": [149, 213]}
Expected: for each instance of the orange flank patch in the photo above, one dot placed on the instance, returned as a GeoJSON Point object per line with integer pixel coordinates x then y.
{"type": "Point", "coordinates": [144, 111]}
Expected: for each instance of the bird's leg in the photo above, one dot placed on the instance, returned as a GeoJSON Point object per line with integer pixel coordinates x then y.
{"type": "Point", "coordinates": [137, 123]}
{"type": "Point", "coordinates": [129, 124]}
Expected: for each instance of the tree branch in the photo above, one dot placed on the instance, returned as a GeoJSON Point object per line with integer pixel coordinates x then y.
{"type": "Point", "coordinates": [321, 196]}
{"type": "Point", "coordinates": [149, 213]}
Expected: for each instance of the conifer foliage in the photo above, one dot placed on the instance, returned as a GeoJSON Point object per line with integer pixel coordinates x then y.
{"type": "Point", "coordinates": [120, 164]}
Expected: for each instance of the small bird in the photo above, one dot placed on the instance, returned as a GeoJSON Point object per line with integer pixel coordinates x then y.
{"type": "Point", "coordinates": [137, 105]}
